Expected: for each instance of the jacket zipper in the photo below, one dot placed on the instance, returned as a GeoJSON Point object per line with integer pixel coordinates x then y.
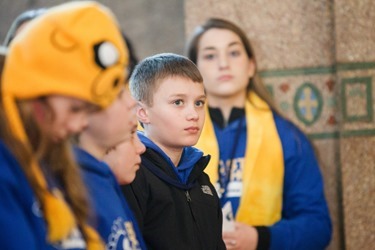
{"type": "Point", "coordinates": [188, 198]}
{"type": "Point", "coordinates": [189, 201]}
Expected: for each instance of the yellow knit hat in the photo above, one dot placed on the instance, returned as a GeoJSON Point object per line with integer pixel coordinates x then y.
{"type": "Point", "coordinates": [74, 49]}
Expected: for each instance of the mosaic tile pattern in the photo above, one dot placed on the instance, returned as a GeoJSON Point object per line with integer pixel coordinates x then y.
{"type": "Point", "coordinates": [314, 100]}
{"type": "Point", "coordinates": [308, 100]}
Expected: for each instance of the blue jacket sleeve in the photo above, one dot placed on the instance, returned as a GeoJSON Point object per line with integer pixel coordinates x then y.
{"type": "Point", "coordinates": [305, 222]}
{"type": "Point", "coordinates": [16, 220]}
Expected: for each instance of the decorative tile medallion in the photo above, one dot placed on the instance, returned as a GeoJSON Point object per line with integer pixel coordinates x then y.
{"type": "Point", "coordinates": [308, 103]}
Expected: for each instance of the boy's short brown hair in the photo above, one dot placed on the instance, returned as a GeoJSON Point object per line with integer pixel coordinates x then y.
{"type": "Point", "coordinates": [150, 71]}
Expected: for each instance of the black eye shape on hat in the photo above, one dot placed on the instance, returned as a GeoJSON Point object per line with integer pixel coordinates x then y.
{"type": "Point", "coordinates": [116, 82]}
{"type": "Point", "coordinates": [106, 54]}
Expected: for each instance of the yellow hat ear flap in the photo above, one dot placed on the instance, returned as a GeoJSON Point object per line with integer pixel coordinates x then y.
{"type": "Point", "coordinates": [59, 226]}
{"type": "Point", "coordinates": [94, 241]}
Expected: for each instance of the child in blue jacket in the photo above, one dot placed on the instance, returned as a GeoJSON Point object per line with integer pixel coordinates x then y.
{"type": "Point", "coordinates": [54, 77]}
{"type": "Point", "coordinates": [108, 153]}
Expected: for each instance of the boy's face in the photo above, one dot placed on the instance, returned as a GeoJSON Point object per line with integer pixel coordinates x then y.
{"type": "Point", "coordinates": [125, 159]}
{"type": "Point", "coordinates": [176, 117]}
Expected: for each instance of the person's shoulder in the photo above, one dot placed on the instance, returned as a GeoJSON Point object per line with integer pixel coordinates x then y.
{"type": "Point", "coordinates": [10, 168]}
{"type": "Point", "coordinates": [292, 138]}
{"type": "Point", "coordinates": [204, 177]}
{"type": "Point", "coordinates": [288, 128]}
{"type": "Point", "coordinates": [7, 158]}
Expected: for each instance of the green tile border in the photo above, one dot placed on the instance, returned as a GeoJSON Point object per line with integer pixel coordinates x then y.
{"type": "Point", "coordinates": [355, 66]}
{"type": "Point", "coordinates": [367, 81]}
{"type": "Point", "coordinates": [318, 70]}
{"type": "Point", "coordinates": [355, 133]}
{"type": "Point", "coordinates": [319, 136]}
{"type": "Point", "coordinates": [297, 71]}
{"type": "Point", "coordinates": [342, 134]}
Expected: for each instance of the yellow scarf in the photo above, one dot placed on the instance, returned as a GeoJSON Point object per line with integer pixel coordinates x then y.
{"type": "Point", "coordinates": [263, 173]}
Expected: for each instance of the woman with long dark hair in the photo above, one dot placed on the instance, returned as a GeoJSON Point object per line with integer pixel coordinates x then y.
{"type": "Point", "coordinates": [263, 166]}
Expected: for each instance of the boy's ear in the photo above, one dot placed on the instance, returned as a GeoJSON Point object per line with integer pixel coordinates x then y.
{"type": "Point", "coordinates": [142, 113]}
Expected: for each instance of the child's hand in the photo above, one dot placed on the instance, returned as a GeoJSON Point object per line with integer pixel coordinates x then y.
{"type": "Point", "coordinates": [244, 237]}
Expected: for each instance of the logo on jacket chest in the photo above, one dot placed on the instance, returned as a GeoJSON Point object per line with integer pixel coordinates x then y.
{"type": "Point", "coordinates": [122, 236]}
{"type": "Point", "coordinates": [206, 189]}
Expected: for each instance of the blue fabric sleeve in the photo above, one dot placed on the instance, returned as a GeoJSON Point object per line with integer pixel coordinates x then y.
{"type": "Point", "coordinates": [305, 222]}
{"type": "Point", "coordinates": [16, 231]}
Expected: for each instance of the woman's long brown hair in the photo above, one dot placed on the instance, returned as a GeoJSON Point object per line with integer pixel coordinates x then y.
{"type": "Point", "coordinates": [57, 158]}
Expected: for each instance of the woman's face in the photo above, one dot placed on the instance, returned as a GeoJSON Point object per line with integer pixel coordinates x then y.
{"type": "Point", "coordinates": [124, 160]}
{"type": "Point", "coordinates": [224, 64]}
{"type": "Point", "coordinates": [62, 116]}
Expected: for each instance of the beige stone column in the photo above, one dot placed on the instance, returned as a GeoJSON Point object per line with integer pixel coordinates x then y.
{"type": "Point", "coordinates": [355, 56]}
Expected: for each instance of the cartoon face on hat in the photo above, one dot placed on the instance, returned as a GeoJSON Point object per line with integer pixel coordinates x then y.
{"type": "Point", "coordinates": [75, 49]}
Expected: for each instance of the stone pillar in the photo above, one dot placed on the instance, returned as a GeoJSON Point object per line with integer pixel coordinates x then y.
{"type": "Point", "coordinates": [317, 58]}
{"type": "Point", "coordinates": [355, 56]}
